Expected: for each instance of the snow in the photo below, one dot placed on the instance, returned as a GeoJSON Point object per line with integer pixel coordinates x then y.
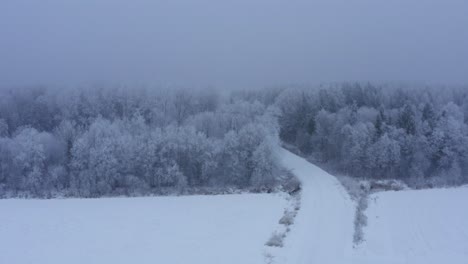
{"type": "Point", "coordinates": [427, 226]}
{"type": "Point", "coordinates": [423, 226]}
{"type": "Point", "coordinates": [191, 229]}
{"type": "Point", "coordinates": [323, 228]}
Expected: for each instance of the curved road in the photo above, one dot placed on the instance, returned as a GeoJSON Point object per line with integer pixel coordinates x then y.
{"type": "Point", "coordinates": [323, 229]}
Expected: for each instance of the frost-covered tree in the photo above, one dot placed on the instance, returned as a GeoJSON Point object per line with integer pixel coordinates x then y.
{"type": "Point", "coordinates": [399, 131]}
{"type": "Point", "coordinates": [121, 140]}
{"type": "Point", "coordinates": [33, 154]}
{"type": "Point", "coordinates": [384, 156]}
{"type": "Point", "coordinates": [4, 131]}
{"type": "Point", "coordinates": [265, 173]}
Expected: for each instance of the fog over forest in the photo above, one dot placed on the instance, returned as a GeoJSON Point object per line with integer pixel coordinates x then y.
{"type": "Point", "coordinates": [234, 131]}
{"type": "Point", "coordinates": [232, 44]}
{"type": "Point", "coordinates": [133, 141]}
{"type": "Point", "coordinates": [133, 98]}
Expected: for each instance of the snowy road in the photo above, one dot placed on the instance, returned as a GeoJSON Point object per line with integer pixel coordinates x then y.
{"type": "Point", "coordinates": [414, 226]}
{"type": "Point", "coordinates": [323, 229]}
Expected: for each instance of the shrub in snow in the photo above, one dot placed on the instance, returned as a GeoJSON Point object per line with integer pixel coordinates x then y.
{"type": "Point", "coordinates": [387, 185]}
{"type": "Point", "coordinates": [288, 218]}
{"type": "Point", "coordinates": [360, 220]}
{"type": "Point", "coordinates": [355, 188]}
{"type": "Point", "coordinates": [290, 183]}
{"type": "Point", "coordinates": [276, 240]}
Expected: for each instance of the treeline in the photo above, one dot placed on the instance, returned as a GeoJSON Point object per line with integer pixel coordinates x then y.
{"type": "Point", "coordinates": [121, 141]}
{"type": "Point", "coordinates": [417, 134]}
{"type": "Point", "coordinates": [135, 141]}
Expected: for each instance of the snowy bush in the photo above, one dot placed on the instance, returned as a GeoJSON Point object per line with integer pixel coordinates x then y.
{"type": "Point", "coordinates": [387, 185]}
{"type": "Point", "coordinates": [290, 183]}
{"type": "Point", "coordinates": [276, 240]}
{"type": "Point", "coordinates": [288, 218]}
{"type": "Point", "coordinates": [360, 219]}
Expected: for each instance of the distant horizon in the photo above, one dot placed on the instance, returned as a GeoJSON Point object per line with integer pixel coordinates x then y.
{"type": "Point", "coordinates": [194, 86]}
{"type": "Point", "coordinates": [228, 45]}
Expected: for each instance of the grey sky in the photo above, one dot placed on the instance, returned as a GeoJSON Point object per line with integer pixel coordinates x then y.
{"type": "Point", "coordinates": [232, 43]}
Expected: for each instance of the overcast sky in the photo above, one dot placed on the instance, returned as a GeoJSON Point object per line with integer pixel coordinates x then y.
{"type": "Point", "coordinates": [232, 43]}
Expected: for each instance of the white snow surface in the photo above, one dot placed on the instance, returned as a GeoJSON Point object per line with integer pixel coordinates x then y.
{"type": "Point", "coordinates": [412, 226]}
{"type": "Point", "coordinates": [190, 229]}
{"type": "Point", "coordinates": [323, 228]}
{"type": "Point", "coordinates": [428, 226]}
{"type": "Point", "coordinates": [418, 226]}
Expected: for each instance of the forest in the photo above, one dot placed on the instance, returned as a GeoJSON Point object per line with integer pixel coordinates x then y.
{"type": "Point", "coordinates": [121, 141]}
{"type": "Point", "coordinates": [414, 133]}
{"type": "Point", "coordinates": [107, 141]}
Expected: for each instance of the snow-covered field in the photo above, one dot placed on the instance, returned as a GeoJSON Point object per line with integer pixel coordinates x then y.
{"type": "Point", "coordinates": [424, 226]}
{"type": "Point", "coordinates": [428, 226]}
{"type": "Point", "coordinates": [191, 229]}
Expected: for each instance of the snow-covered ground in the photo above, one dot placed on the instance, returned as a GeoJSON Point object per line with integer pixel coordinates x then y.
{"type": "Point", "coordinates": [428, 226]}
{"type": "Point", "coordinates": [191, 229]}
{"type": "Point", "coordinates": [424, 226]}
